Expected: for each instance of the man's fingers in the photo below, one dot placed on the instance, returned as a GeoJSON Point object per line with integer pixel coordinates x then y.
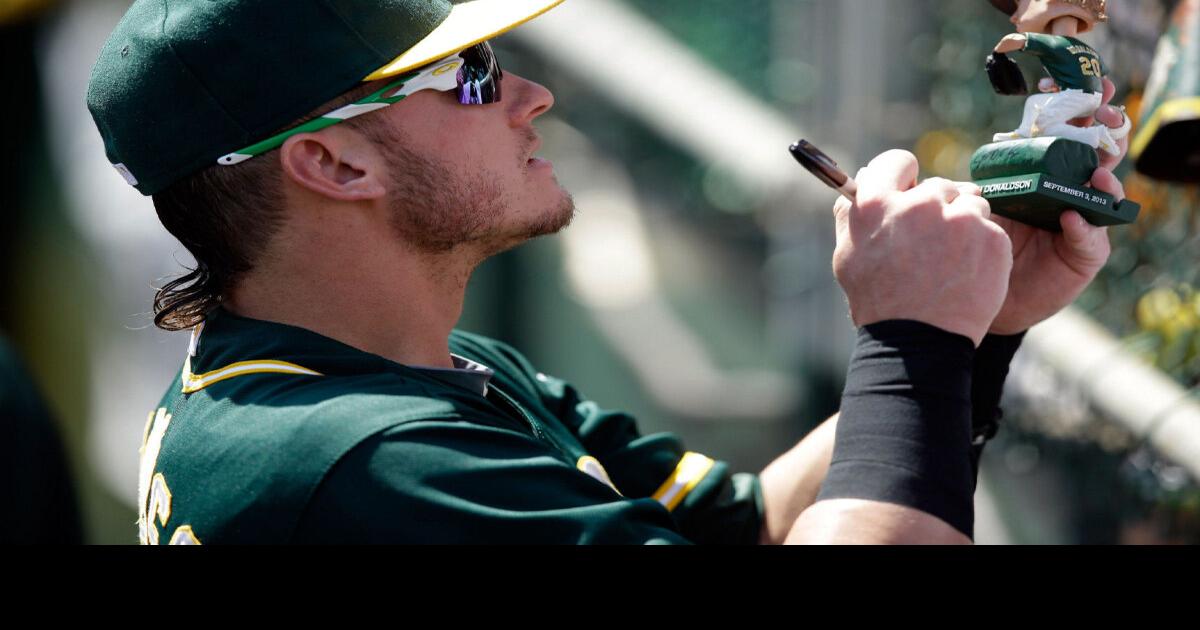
{"type": "Point", "coordinates": [969, 188]}
{"type": "Point", "coordinates": [841, 210]}
{"type": "Point", "coordinates": [890, 172]}
{"type": "Point", "coordinates": [1086, 242]}
{"type": "Point", "coordinates": [1110, 90]}
{"type": "Point", "coordinates": [1110, 161]}
{"type": "Point", "coordinates": [841, 207]}
{"type": "Point", "coordinates": [973, 205]}
{"type": "Point", "coordinates": [1074, 228]}
{"type": "Point", "coordinates": [935, 190]}
{"type": "Point", "coordinates": [1104, 181]}
{"type": "Point", "coordinates": [1111, 117]}
{"type": "Point", "coordinates": [1118, 123]}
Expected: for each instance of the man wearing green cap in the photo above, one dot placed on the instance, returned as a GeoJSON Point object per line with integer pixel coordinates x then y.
{"type": "Point", "coordinates": [338, 168]}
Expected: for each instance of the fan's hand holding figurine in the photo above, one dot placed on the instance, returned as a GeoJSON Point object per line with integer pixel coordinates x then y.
{"type": "Point", "coordinates": [1039, 170]}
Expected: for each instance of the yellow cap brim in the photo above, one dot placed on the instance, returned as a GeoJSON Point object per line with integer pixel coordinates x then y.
{"type": "Point", "coordinates": [468, 24]}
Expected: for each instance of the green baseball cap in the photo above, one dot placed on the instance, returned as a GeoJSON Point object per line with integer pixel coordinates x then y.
{"type": "Point", "coordinates": [180, 83]}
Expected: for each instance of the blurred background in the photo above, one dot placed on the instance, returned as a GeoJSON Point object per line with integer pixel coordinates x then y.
{"type": "Point", "coordinates": [699, 245]}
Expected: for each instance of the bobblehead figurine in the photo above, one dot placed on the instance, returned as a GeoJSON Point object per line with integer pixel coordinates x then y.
{"type": "Point", "coordinates": [1040, 169]}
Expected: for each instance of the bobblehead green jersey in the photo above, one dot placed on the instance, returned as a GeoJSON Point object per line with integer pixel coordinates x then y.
{"type": "Point", "coordinates": [1039, 170]}
{"type": "Point", "coordinates": [276, 434]}
{"type": "Point", "coordinates": [1072, 64]}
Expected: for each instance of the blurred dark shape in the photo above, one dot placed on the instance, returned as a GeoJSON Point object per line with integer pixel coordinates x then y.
{"type": "Point", "coordinates": [1007, 6]}
{"type": "Point", "coordinates": [37, 491]}
{"type": "Point", "coordinates": [23, 137]}
{"type": "Point", "coordinates": [36, 487]}
{"type": "Point", "coordinates": [1167, 145]}
{"type": "Point", "coordinates": [1005, 75]}
{"type": "Point", "coordinates": [20, 11]}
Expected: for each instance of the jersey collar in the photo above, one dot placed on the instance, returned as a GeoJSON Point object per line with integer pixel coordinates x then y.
{"type": "Point", "coordinates": [228, 346]}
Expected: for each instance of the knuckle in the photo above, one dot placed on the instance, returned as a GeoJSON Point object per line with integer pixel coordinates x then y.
{"type": "Point", "coordinates": [960, 218]}
{"type": "Point", "coordinates": [841, 209]}
{"type": "Point", "coordinates": [977, 205]}
{"type": "Point", "coordinates": [997, 239]}
{"type": "Point", "coordinates": [921, 202]}
{"type": "Point", "coordinates": [970, 189]}
{"type": "Point", "coordinates": [899, 155]}
{"type": "Point", "coordinates": [916, 214]}
{"type": "Point", "coordinates": [841, 259]}
{"type": "Point", "coordinates": [874, 205]}
{"type": "Point", "coordinates": [937, 181]}
{"type": "Point", "coordinates": [940, 186]}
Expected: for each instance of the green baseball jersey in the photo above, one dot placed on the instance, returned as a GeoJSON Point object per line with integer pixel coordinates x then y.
{"type": "Point", "coordinates": [1071, 63]}
{"type": "Point", "coordinates": [275, 434]}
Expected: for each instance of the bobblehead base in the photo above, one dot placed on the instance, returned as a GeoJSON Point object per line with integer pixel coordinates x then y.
{"type": "Point", "coordinates": [1034, 181]}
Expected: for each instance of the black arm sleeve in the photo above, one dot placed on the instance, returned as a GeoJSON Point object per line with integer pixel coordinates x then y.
{"type": "Point", "coordinates": [904, 433]}
{"type": "Point", "coordinates": [990, 369]}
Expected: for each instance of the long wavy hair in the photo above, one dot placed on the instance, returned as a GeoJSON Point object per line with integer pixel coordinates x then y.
{"type": "Point", "coordinates": [224, 216]}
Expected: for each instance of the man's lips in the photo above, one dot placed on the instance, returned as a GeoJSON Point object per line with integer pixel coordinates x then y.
{"type": "Point", "coordinates": [533, 161]}
{"type": "Point", "coordinates": [534, 148]}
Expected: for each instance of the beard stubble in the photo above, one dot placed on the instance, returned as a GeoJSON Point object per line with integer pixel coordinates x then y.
{"type": "Point", "coordinates": [438, 210]}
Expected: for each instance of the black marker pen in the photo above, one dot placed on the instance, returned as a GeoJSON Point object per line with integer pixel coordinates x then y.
{"type": "Point", "coordinates": [826, 170]}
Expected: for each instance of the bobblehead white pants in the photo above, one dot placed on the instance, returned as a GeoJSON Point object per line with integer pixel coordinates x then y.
{"type": "Point", "coordinates": [1047, 115]}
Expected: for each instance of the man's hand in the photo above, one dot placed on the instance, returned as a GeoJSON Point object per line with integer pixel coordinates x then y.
{"type": "Point", "coordinates": [926, 253]}
{"type": "Point", "coordinates": [1051, 270]}
{"type": "Point", "coordinates": [1113, 118]}
{"type": "Point", "coordinates": [1011, 43]}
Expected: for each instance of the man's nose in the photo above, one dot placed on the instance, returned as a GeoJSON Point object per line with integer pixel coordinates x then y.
{"type": "Point", "coordinates": [531, 100]}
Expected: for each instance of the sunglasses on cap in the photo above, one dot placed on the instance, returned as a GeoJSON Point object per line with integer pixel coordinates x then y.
{"type": "Point", "coordinates": [472, 73]}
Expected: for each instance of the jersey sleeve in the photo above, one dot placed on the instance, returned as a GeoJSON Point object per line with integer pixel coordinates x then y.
{"type": "Point", "coordinates": [1039, 44]}
{"type": "Point", "coordinates": [709, 502]}
{"type": "Point", "coordinates": [458, 482]}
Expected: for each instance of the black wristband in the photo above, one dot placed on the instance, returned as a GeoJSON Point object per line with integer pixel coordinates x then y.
{"type": "Point", "coordinates": [904, 432]}
{"type": "Point", "coordinates": [989, 372]}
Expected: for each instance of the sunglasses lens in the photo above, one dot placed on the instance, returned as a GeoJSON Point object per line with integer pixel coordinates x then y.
{"type": "Point", "coordinates": [479, 77]}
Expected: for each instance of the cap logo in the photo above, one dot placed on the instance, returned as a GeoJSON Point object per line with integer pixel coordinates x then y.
{"type": "Point", "coordinates": [124, 171]}
{"type": "Point", "coordinates": [447, 67]}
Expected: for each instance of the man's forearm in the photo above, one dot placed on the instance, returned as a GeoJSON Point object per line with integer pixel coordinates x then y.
{"type": "Point", "coordinates": [904, 432]}
{"type": "Point", "coordinates": [790, 483]}
{"type": "Point", "coordinates": [863, 522]}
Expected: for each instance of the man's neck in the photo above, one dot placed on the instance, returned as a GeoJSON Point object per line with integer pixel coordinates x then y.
{"type": "Point", "coordinates": [365, 291]}
{"type": "Point", "coordinates": [1067, 26]}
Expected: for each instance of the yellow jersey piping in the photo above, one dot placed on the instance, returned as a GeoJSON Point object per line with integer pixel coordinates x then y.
{"type": "Point", "coordinates": [692, 467]}
{"type": "Point", "coordinates": [196, 382]}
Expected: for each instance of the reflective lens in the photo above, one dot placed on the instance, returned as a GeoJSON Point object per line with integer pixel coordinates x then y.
{"type": "Point", "coordinates": [479, 77]}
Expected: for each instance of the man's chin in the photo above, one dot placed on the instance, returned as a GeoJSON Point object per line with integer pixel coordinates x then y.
{"type": "Point", "coordinates": [563, 215]}
{"type": "Point", "coordinates": [551, 223]}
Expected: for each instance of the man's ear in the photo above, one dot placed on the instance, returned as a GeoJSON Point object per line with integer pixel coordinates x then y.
{"type": "Point", "coordinates": [333, 163]}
